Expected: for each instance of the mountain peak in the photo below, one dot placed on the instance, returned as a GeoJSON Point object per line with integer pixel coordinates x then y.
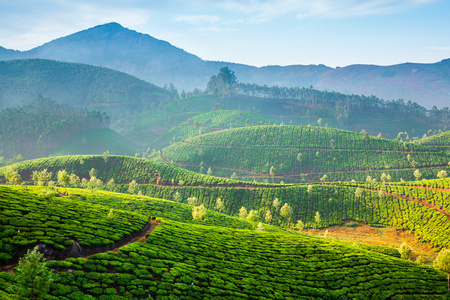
{"type": "Point", "coordinates": [113, 26]}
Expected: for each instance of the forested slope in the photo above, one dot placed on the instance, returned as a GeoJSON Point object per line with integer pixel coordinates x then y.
{"type": "Point", "coordinates": [73, 84]}
{"type": "Point", "coordinates": [37, 129]}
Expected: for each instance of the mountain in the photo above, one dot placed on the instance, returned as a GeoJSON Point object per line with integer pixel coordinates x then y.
{"type": "Point", "coordinates": [113, 46]}
{"type": "Point", "coordinates": [73, 84]}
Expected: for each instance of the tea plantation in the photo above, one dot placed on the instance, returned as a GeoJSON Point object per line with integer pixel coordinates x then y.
{"type": "Point", "coordinates": [303, 153]}
{"type": "Point", "coordinates": [218, 259]}
{"type": "Point", "coordinates": [210, 122]}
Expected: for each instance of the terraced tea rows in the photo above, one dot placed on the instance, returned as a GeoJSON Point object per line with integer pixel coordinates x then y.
{"type": "Point", "coordinates": [28, 219]}
{"type": "Point", "coordinates": [121, 168]}
{"type": "Point", "coordinates": [210, 122]}
{"type": "Point", "coordinates": [335, 203]}
{"type": "Point", "coordinates": [199, 262]}
{"type": "Point", "coordinates": [304, 153]}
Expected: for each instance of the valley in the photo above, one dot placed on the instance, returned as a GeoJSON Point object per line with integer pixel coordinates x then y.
{"type": "Point", "coordinates": [112, 187]}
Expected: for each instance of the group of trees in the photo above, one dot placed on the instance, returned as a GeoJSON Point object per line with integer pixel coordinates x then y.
{"type": "Point", "coordinates": [38, 128]}
{"type": "Point", "coordinates": [225, 84]}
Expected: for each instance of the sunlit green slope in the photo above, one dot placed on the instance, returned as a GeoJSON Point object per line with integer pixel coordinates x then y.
{"type": "Point", "coordinates": [307, 153]}
{"type": "Point", "coordinates": [209, 122]}
{"type": "Point", "coordinates": [185, 260]}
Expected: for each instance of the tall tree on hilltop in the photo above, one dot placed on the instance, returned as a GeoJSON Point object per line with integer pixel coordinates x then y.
{"type": "Point", "coordinates": [222, 84]}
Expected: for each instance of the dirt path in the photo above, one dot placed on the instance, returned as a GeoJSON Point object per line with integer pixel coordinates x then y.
{"type": "Point", "coordinates": [133, 238]}
{"type": "Point", "coordinates": [422, 202]}
{"type": "Point", "coordinates": [427, 188]}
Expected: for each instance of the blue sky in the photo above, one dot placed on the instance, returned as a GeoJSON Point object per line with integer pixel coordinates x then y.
{"type": "Point", "coordinates": [254, 32]}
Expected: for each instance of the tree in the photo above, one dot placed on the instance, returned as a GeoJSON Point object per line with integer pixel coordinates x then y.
{"type": "Point", "coordinates": [442, 263]}
{"type": "Point", "coordinates": [41, 178]}
{"type": "Point", "coordinates": [276, 204]}
{"type": "Point", "coordinates": [317, 218]}
{"type": "Point", "coordinates": [192, 201]}
{"type": "Point", "coordinates": [358, 192]}
{"type": "Point", "coordinates": [268, 217]}
{"type": "Point", "coordinates": [12, 176]}
{"type": "Point", "coordinates": [323, 178]}
{"type": "Point", "coordinates": [309, 189]}
{"type": "Point", "coordinates": [260, 227]}
{"type": "Point", "coordinates": [209, 172]}
{"type": "Point", "coordinates": [442, 174]}
{"type": "Point", "coordinates": [243, 213]}
{"type": "Point", "coordinates": [319, 121]}
{"type": "Point", "coordinates": [219, 205]}
{"type": "Point", "coordinates": [417, 174]}
{"type": "Point", "coordinates": [286, 211]}
{"type": "Point", "coordinates": [105, 156]}
{"type": "Point", "coordinates": [177, 197]}
{"type": "Point", "coordinates": [233, 176]}
{"type": "Point", "coordinates": [405, 250]}
{"type": "Point", "coordinates": [223, 84]}
{"type": "Point", "coordinates": [253, 218]}
{"type": "Point", "coordinates": [272, 173]}
{"type": "Point", "coordinates": [299, 157]}
{"type": "Point", "coordinates": [74, 180]}
{"type": "Point", "coordinates": [111, 185]}
{"type": "Point", "coordinates": [198, 213]}
{"type": "Point", "coordinates": [94, 184]}
{"type": "Point", "coordinates": [299, 226]}
{"type": "Point", "coordinates": [32, 276]}
{"type": "Point", "coordinates": [132, 187]}
{"type": "Point", "coordinates": [110, 215]}
{"type": "Point", "coordinates": [63, 179]}
{"type": "Point", "coordinates": [93, 173]}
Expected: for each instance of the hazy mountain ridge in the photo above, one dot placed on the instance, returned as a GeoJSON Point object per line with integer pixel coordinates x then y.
{"type": "Point", "coordinates": [73, 84]}
{"type": "Point", "coordinates": [159, 62]}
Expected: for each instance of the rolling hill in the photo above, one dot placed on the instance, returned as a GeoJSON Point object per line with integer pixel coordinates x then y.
{"type": "Point", "coordinates": [113, 46]}
{"type": "Point", "coordinates": [209, 122]}
{"type": "Point", "coordinates": [45, 127]}
{"type": "Point", "coordinates": [145, 128]}
{"type": "Point", "coordinates": [439, 141]}
{"type": "Point", "coordinates": [418, 207]}
{"type": "Point", "coordinates": [74, 84]}
{"type": "Point", "coordinates": [306, 153]}
{"type": "Point", "coordinates": [186, 260]}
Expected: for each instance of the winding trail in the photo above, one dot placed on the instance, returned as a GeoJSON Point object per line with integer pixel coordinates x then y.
{"type": "Point", "coordinates": [133, 238]}
{"type": "Point", "coordinates": [422, 202]}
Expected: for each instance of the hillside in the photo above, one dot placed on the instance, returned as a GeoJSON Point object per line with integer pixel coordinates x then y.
{"type": "Point", "coordinates": [76, 85]}
{"type": "Point", "coordinates": [123, 169]}
{"type": "Point", "coordinates": [205, 261]}
{"type": "Point", "coordinates": [209, 122]}
{"type": "Point", "coordinates": [419, 207]}
{"type": "Point", "coordinates": [113, 46]}
{"type": "Point", "coordinates": [303, 153]}
{"type": "Point", "coordinates": [37, 129]}
{"type": "Point", "coordinates": [144, 128]}
{"type": "Point", "coordinates": [439, 141]}
{"type": "Point", "coordinates": [96, 142]}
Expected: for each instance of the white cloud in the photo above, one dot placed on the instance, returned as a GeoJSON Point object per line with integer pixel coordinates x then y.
{"type": "Point", "coordinates": [261, 10]}
{"type": "Point", "coordinates": [197, 19]}
{"type": "Point", "coordinates": [439, 48]}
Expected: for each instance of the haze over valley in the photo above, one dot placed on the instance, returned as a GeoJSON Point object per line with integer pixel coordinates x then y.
{"type": "Point", "coordinates": [131, 168]}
